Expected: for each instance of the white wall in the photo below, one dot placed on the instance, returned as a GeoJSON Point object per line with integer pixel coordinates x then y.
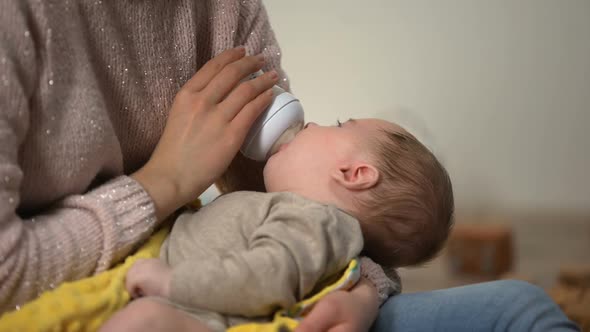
{"type": "Point", "coordinates": [499, 89]}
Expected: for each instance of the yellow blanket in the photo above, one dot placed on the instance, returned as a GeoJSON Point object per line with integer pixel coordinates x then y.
{"type": "Point", "coordinates": [288, 319]}
{"type": "Point", "coordinates": [83, 305]}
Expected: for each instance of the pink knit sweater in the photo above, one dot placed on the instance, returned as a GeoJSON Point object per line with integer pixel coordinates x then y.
{"type": "Point", "coordinates": [85, 88]}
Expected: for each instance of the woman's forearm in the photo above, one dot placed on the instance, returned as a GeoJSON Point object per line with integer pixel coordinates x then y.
{"type": "Point", "coordinates": [79, 236]}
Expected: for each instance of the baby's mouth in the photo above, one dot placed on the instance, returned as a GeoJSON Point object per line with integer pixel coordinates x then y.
{"type": "Point", "coordinates": [286, 138]}
{"type": "Point", "coordinates": [278, 148]}
{"type": "Point", "coordinates": [283, 147]}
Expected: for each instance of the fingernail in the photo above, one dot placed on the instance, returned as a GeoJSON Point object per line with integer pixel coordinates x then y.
{"type": "Point", "coordinates": [269, 92]}
{"type": "Point", "coordinates": [241, 49]}
{"type": "Point", "coordinates": [260, 58]}
{"type": "Point", "coordinates": [274, 75]}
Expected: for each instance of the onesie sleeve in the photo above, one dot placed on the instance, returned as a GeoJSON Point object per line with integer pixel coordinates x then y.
{"type": "Point", "coordinates": [386, 284]}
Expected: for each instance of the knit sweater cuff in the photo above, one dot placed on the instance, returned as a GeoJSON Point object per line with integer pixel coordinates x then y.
{"type": "Point", "coordinates": [131, 217]}
{"type": "Point", "coordinates": [385, 285]}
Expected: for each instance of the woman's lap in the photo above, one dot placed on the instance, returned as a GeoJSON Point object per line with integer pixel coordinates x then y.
{"type": "Point", "coordinates": [506, 305]}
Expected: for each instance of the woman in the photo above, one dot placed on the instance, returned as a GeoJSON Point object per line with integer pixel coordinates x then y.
{"type": "Point", "coordinates": [99, 144]}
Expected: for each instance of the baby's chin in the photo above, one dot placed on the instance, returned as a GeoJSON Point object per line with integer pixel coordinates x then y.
{"type": "Point", "coordinates": [272, 181]}
{"type": "Point", "coordinates": [276, 182]}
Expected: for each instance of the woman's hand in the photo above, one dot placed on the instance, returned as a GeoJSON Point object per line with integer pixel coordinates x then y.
{"type": "Point", "coordinates": [207, 124]}
{"type": "Point", "coordinates": [343, 311]}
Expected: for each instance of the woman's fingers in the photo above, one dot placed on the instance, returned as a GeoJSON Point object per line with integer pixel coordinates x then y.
{"type": "Point", "coordinates": [213, 67]}
{"type": "Point", "coordinates": [247, 92]}
{"type": "Point", "coordinates": [230, 76]}
{"type": "Point", "coordinates": [321, 318]}
{"type": "Point", "coordinates": [206, 125]}
{"type": "Point", "coordinates": [246, 117]}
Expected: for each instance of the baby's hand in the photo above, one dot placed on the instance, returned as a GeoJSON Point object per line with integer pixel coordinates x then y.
{"type": "Point", "coordinates": [149, 277]}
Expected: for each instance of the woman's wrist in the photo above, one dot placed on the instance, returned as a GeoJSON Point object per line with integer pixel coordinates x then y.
{"type": "Point", "coordinates": [165, 194]}
{"type": "Point", "coordinates": [366, 293]}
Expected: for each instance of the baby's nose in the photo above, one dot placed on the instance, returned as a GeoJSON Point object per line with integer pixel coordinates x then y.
{"type": "Point", "coordinates": [310, 124]}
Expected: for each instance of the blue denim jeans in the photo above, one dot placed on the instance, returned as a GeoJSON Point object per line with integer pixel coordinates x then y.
{"type": "Point", "coordinates": [506, 305]}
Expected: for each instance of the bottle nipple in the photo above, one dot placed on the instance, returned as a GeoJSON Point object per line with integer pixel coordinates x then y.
{"type": "Point", "coordinates": [287, 136]}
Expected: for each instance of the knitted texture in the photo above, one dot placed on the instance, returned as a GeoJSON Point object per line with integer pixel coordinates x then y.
{"type": "Point", "coordinates": [85, 89]}
{"type": "Point", "coordinates": [386, 284]}
{"type": "Point", "coordinates": [82, 305]}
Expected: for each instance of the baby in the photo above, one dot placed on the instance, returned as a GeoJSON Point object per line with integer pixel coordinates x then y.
{"type": "Point", "coordinates": [363, 187]}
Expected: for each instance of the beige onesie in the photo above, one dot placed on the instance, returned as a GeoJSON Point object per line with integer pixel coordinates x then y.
{"type": "Point", "coordinates": [248, 254]}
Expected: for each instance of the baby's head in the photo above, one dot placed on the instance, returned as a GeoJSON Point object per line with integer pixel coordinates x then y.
{"type": "Point", "coordinates": [377, 172]}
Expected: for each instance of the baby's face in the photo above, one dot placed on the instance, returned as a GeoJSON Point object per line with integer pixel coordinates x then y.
{"type": "Point", "coordinates": [317, 151]}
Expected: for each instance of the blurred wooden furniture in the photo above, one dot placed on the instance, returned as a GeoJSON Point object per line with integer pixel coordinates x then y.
{"type": "Point", "coordinates": [483, 250]}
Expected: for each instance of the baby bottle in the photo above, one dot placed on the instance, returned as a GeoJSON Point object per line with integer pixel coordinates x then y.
{"type": "Point", "coordinates": [277, 125]}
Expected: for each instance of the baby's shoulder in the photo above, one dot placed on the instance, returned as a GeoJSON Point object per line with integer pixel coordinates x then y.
{"type": "Point", "coordinates": [243, 198]}
{"type": "Point", "coordinates": [239, 204]}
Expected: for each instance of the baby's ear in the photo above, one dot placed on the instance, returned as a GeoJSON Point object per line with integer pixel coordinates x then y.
{"type": "Point", "coordinates": [357, 176]}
